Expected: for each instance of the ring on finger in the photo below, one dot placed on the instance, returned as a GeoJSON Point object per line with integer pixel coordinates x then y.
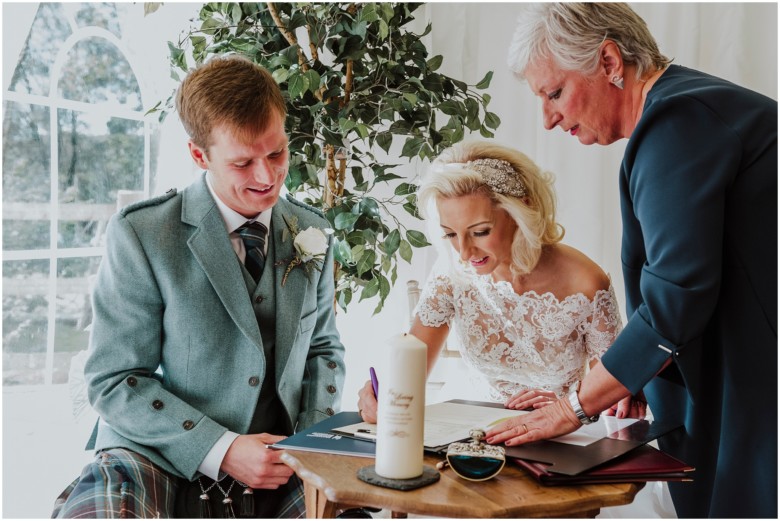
{"type": "Point", "coordinates": [525, 429]}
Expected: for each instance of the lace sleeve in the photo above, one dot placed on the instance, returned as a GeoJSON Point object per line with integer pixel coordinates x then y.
{"type": "Point", "coordinates": [436, 306]}
{"type": "Point", "coordinates": [605, 323]}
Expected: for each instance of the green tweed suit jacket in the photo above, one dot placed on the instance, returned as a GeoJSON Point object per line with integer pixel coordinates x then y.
{"type": "Point", "coordinates": [176, 356]}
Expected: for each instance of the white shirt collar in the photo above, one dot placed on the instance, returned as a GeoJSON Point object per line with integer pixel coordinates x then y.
{"type": "Point", "coordinates": [234, 220]}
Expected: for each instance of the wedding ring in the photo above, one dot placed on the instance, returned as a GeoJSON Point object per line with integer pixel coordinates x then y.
{"type": "Point", "coordinates": [525, 429]}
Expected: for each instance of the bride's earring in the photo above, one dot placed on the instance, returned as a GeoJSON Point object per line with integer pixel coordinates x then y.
{"type": "Point", "coordinates": [617, 81]}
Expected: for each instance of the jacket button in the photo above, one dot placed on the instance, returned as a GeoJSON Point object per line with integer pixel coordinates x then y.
{"type": "Point", "coordinates": [329, 411]}
{"type": "Point", "coordinates": [254, 381]}
{"type": "Point", "coordinates": [157, 404]}
{"type": "Point", "coordinates": [332, 364]}
{"type": "Point", "coordinates": [131, 381]}
{"type": "Point", "coordinates": [188, 425]}
{"type": "Point", "coordinates": [331, 389]}
{"type": "Point", "coordinates": [259, 299]}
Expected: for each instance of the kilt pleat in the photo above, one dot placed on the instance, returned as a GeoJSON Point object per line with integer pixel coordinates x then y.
{"type": "Point", "coordinates": [123, 484]}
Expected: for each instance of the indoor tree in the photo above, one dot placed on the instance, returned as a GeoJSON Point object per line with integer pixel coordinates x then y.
{"type": "Point", "coordinates": [356, 80]}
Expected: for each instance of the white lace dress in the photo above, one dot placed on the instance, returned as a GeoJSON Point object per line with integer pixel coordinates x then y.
{"type": "Point", "coordinates": [518, 342]}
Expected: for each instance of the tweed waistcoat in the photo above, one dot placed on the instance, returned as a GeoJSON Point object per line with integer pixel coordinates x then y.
{"type": "Point", "coordinates": [268, 415]}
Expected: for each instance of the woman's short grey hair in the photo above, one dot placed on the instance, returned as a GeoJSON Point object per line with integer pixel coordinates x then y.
{"type": "Point", "coordinates": [571, 35]}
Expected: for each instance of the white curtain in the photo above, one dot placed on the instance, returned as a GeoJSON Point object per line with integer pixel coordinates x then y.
{"type": "Point", "coordinates": [736, 41]}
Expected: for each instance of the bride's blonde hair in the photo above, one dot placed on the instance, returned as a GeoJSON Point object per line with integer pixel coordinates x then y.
{"type": "Point", "coordinates": [458, 171]}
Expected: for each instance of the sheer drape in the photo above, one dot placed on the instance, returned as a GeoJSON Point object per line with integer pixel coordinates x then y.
{"type": "Point", "coordinates": [736, 41]}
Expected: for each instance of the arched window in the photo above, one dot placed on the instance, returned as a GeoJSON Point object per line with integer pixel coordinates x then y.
{"type": "Point", "coordinates": [76, 146]}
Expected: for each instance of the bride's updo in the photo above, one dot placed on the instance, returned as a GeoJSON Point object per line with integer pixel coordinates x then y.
{"type": "Point", "coordinates": [511, 181]}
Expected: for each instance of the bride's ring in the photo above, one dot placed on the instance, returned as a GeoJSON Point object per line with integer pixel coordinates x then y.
{"type": "Point", "coordinates": [525, 429]}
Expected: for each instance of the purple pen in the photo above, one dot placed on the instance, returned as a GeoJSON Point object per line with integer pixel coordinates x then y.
{"type": "Point", "coordinates": [374, 381]}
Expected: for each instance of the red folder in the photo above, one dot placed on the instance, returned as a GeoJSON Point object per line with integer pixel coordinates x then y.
{"type": "Point", "coordinates": [644, 463]}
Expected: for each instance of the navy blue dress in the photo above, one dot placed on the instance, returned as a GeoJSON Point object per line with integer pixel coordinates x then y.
{"type": "Point", "coordinates": [698, 188]}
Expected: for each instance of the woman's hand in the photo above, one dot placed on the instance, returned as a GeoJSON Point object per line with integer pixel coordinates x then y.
{"type": "Point", "coordinates": [548, 422]}
{"type": "Point", "coordinates": [531, 399]}
{"type": "Point", "coordinates": [629, 407]}
{"type": "Point", "coordinates": [367, 404]}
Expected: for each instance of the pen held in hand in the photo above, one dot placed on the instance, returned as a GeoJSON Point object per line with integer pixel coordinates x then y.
{"type": "Point", "coordinates": [374, 382]}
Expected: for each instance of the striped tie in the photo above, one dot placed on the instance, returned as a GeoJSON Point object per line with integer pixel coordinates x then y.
{"type": "Point", "coordinates": [253, 234]}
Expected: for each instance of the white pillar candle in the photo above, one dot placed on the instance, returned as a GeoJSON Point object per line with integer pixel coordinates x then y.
{"type": "Point", "coordinates": [401, 414]}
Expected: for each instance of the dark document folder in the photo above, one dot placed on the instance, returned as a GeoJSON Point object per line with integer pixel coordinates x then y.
{"type": "Point", "coordinates": [644, 463]}
{"type": "Point", "coordinates": [320, 438]}
{"type": "Point", "coordinates": [568, 459]}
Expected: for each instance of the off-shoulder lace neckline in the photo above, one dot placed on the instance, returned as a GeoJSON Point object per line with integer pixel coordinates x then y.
{"type": "Point", "coordinates": [506, 287]}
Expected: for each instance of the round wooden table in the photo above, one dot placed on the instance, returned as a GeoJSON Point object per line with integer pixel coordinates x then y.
{"type": "Point", "coordinates": [331, 483]}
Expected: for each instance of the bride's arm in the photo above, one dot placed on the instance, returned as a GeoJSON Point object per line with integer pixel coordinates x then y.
{"type": "Point", "coordinates": [433, 337]}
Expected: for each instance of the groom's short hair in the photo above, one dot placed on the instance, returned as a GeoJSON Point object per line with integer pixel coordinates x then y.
{"type": "Point", "coordinates": [229, 91]}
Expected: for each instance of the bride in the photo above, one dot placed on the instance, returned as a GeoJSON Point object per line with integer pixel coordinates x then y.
{"type": "Point", "coordinates": [530, 312]}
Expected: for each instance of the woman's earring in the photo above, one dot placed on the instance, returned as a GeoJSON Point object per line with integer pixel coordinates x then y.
{"type": "Point", "coordinates": [617, 81]}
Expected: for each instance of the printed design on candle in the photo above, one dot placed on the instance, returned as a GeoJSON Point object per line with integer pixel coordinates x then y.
{"type": "Point", "coordinates": [398, 399]}
{"type": "Point", "coordinates": [398, 434]}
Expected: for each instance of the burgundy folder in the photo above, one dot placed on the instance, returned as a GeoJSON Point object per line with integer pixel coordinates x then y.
{"type": "Point", "coordinates": [644, 463]}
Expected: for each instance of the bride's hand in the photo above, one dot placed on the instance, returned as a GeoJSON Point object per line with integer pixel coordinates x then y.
{"type": "Point", "coordinates": [367, 405]}
{"type": "Point", "coordinates": [531, 399]}
{"type": "Point", "coordinates": [629, 407]}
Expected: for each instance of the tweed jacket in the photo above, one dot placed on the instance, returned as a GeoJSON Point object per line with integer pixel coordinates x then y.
{"type": "Point", "coordinates": [176, 356]}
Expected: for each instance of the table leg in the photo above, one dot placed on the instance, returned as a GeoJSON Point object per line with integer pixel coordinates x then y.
{"type": "Point", "coordinates": [317, 505]}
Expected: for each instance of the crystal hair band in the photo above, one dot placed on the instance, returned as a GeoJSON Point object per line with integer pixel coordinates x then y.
{"type": "Point", "coordinates": [497, 174]}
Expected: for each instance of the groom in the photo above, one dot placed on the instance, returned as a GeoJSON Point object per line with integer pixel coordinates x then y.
{"type": "Point", "coordinates": [200, 355]}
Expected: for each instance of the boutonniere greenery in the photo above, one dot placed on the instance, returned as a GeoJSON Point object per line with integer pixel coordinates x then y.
{"type": "Point", "coordinates": [310, 245]}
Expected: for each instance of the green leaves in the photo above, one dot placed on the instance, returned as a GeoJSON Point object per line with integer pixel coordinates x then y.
{"type": "Point", "coordinates": [485, 82]}
{"type": "Point", "coordinates": [379, 90]}
{"type": "Point", "coordinates": [297, 84]}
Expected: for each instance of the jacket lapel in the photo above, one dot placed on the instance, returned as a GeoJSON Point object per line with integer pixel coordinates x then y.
{"type": "Point", "coordinates": [211, 247]}
{"type": "Point", "coordinates": [290, 297]}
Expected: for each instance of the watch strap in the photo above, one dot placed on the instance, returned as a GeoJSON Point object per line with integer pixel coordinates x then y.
{"type": "Point", "coordinates": [574, 400]}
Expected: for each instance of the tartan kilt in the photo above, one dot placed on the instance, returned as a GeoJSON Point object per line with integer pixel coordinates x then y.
{"type": "Point", "coordinates": [121, 483]}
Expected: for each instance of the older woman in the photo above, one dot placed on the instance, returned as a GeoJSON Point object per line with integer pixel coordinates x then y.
{"type": "Point", "coordinates": [699, 199]}
{"type": "Point", "coordinates": [530, 311]}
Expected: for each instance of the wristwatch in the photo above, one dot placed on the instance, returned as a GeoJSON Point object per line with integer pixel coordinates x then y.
{"type": "Point", "coordinates": [575, 404]}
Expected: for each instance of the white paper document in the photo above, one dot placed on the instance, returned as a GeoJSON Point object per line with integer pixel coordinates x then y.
{"type": "Point", "coordinates": [450, 421]}
{"type": "Point", "coordinates": [587, 434]}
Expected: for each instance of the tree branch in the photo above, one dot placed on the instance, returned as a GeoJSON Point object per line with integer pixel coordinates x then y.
{"type": "Point", "coordinates": [348, 84]}
{"type": "Point", "coordinates": [315, 54]}
{"type": "Point", "coordinates": [288, 35]}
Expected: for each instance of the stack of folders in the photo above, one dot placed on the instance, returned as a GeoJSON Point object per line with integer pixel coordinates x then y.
{"type": "Point", "coordinates": [644, 463]}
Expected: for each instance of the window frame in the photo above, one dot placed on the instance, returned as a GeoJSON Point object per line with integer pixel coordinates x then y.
{"type": "Point", "coordinates": [54, 102]}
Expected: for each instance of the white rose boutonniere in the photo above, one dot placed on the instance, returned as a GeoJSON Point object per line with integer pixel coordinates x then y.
{"type": "Point", "coordinates": [310, 245]}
